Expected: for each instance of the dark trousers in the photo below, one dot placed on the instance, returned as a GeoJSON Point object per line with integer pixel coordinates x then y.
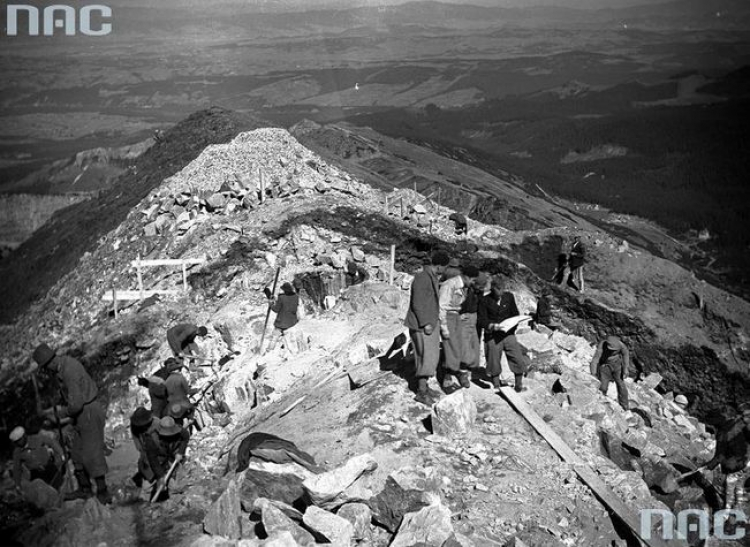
{"type": "Point", "coordinates": [453, 346]}
{"type": "Point", "coordinates": [612, 372]}
{"type": "Point", "coordinates": [495, 344]}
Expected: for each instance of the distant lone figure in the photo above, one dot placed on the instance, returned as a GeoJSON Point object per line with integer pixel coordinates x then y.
{"type": "Point", "coordinates": [611, 363]}
{"type": "Point", "coordinates": [182, 337]}
{"type": "Point", "coordinates": [576, 261]}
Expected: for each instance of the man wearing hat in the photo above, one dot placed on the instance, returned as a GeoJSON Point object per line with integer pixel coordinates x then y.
{"type": "Point", "coordinates": [423, 321]}
{"type": "Point", "coordinates": [470, 331]}
{"type": "Point", "coordinates": [176, 385]}
{"type": "Point", "coordinates": [143, 430]}
{"type": "Point", "coordinates": [172, 445]}
{"type": "Point", "coordinates": [452, 295]}
{"type": "Point", "coordinates": [611, 363]}
{"type": "Point", "coordinates": [181, 338]}
{"type": "Point", "coordinates": [36, 457]}
{"type": "Point", "coordinates": [285, 306]}
{"type": "Point", "coordinates": [157, 391]}
{"type": "Point", "coordinates": [182, 413]}
{"type": "Point", "coordinates": [86, 416]}
{"type": "Point", "coordinates": [492, 310]}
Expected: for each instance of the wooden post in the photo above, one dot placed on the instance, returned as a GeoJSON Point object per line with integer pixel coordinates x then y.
{"type": "Point", "coordinates": [114, 300]}
{"type": "Point", "coordinates": [393, 262]}
{"type": "Point", "coordinates": [438, 201]}
{"type": "Point", "coordinates": [415, 186]}
{"type": "Point", "coordinates": [262, 185]}
{"type": "Point", "coordinates": [402, 207]}
{"type": "Point", "coordinates": [430, 226]}
{"type": "Point", "coordinates": [184, 277]}
{"type": "Point", "coordinates": [140, 275]}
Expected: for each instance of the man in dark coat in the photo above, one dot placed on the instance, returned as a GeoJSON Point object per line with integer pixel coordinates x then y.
{"type": "Point", "coordinates": [143, 430]}
{"type": "Point", "coordinates": [576, 260]}
{"type": "Point", "coordinates": [177, 387]}
{"type": "Point", "coordinates": [423, 321]}
{"type": "Point", "coordinates": [285, 306]}
{"type": "Point", "coordinates": [611, 363]}
{"type": "Point", "coordinates": [182, 337]}
{"type": "Point", "coordinates": [86, 416]}
{"type": "Point", "coordinates": [493, 309]}
{"type": "Point", "coordinates": [157, 391]}
{"type": "Point", "coordinates": [172, 442]}
{"type": "Point", "coordinates": [733, 454]}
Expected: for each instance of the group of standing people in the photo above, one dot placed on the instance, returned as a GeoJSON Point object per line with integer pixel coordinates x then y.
{"type": "Point", "coordinates": [451, 307]}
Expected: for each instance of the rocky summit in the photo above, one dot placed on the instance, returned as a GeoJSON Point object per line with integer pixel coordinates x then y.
{"type": "Point", "coordinates": [386, 470]}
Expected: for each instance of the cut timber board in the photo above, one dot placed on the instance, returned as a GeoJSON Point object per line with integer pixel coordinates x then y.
{"type": "Point", "coordinates": [167, 262]}
{"type": "Point", "coordinates": [136, 294]}
{"type": "Point", "coordinates": [584, 472]}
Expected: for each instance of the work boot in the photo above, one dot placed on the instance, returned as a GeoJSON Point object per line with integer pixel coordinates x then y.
{"type": "Point", "coordinates": [464, 379]}
{"type": "Point", "coordinates": [84, 487]}
{"type": "Point", "coordinates": [424, 398]}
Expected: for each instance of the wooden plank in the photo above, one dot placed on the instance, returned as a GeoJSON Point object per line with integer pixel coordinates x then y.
{"type": "Point", "coordinates": [167, 262]}
{"type": "Point", "coordinates": [393, 263]}
{"type": "Point", "coordinates": [136, 295]}
{"type": "Point", "coordinates": [584, 472]}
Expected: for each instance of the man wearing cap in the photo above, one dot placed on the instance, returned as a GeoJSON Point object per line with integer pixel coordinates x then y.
{"type": "Point", "coordinates": [143, 430]}
{"type": "Point", "coordinates": [86, 416]}
{"type": "Point", "coordinates": [611, 363]}
{"type": "Point", "coordinates": [182, 337]}
{"type": "Point", "coordinates": [423, 321]}
{"type": "Point", "coordinates": [37, 457]}
{"type": "Point", "coordinates": [452, 295]}
{"type": "Point", "coordinates": [182, 414]}
{"type": "Point", "coordinates": [172, 445]}
{"type": "Point", "coordinates": [492, 310]}
{"type": "Point", "coordinates": [470, 331]}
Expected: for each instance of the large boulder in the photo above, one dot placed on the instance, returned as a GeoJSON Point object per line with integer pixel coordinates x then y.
{"type": "Point", "coordinates": [275, 521]}
{"type": "Point", "coordinates": [428, 527]}
{"type": "Point", "coordinates": [281, 482]}
{"type": "Point", "coordinates": [334, 529]}
{"type": "Point", "coordinates": [396, 500]}
{"type": "Point", "coordinates": [453, 416]}
{"type": "Point", "coordinates": [328, 489]}
{"type": "Point", "coordinates": [223, 517]}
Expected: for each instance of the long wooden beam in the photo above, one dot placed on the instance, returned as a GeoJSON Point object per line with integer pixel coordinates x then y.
{"type": "Point", "coordinates": [136, 295]}
{"type": "Point", "coordinates": [584, 472]}
{"type": "Point", "coordinates": [167, 262]}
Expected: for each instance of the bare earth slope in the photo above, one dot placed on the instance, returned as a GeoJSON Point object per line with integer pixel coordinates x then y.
{"type": "Point", "coordinates": [496, 481]}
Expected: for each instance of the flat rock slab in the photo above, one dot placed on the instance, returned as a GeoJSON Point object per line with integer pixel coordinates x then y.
{"type": "Point", "coordinates": [428, 527]}
{"type": "Point", "coordinates": [336, 530]}
{"type": "Point", "coordinates": [223, 517]}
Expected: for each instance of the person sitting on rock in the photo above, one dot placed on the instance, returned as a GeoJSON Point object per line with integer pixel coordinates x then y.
{"type": "Point", "coordinates": [733, 454]}
{"type": "Point", "coordinates": [143, 431]}
{"type": "Point", "coordinates": [543, 314]}
{"type": "Point", "coordinates": [493, 309]}
{"type": "Point", "coordinates": [181, 338]}
{"type": "Point", "coordinates": [36, 457]}
{"type": "Point", "coordinates": [172, 444]}
{"type": "Point", "coordinates": [355, 273]}
{"type": "Point", "coordinates": [611, 363]}
{"type": "Point", "coordinates": [459, 220]}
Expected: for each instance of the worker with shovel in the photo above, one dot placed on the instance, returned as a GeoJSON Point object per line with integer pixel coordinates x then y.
{"type": "Point", "coordinates": [732, 453]}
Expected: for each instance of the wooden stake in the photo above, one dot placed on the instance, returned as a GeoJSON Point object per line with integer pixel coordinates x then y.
{"type": "Point", "coordinates": [184, 277]}
{"type": "Point", "coordinates": [114, 300]}
{"type": "Point", "coordinates": [393, 261]}
{"type": "Point", "coordinates": [140, 276]}
{"type": "Point", "coordinates": [262, 185]}
{"type": "Point", "coordinates": [402, 207]}
{"type": "Point", "coordinates": [438, 201]}
{"type": "Point", "coordinates": [415, 186]}
{"type": "Point", "coordinates": [387, 211]}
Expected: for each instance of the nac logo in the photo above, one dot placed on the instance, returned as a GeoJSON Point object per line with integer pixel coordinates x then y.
{"type": "Point", "coordinates": [695, 521]}
{"type": "Point", "coordinates": [92, 20]}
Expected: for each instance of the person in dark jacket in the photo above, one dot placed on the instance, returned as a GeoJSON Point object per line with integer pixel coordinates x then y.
{"type": "Point", "coordinates": [85, 414]}
{"type": "Point", "coordinates": [181, 338]}
{"type": "Point", "coordinates": [611, 363]}
{"type": "Point", "coordinates": [493, 309]}
{"type": "Point", "coordinates": [143, 431]}
{"type": "Point", "coordinates": [733, 454]}
{"type": "Point", "coordinates": [177, 387]}
{"type": "Point", "coordinates": [469, 326]}
{"type": "Point", "coordinates": [172, 442]}
{"type": "Point", "coordinates": [285, 307]}
{"type": "Point", "coordinates": [157, 391]}
{"type": "Point", "coordinates": [423, 321]}
{"type": "Point", "coordinates": [36, 457]}
{"type": "Point", "coordinates": [576, 259]}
